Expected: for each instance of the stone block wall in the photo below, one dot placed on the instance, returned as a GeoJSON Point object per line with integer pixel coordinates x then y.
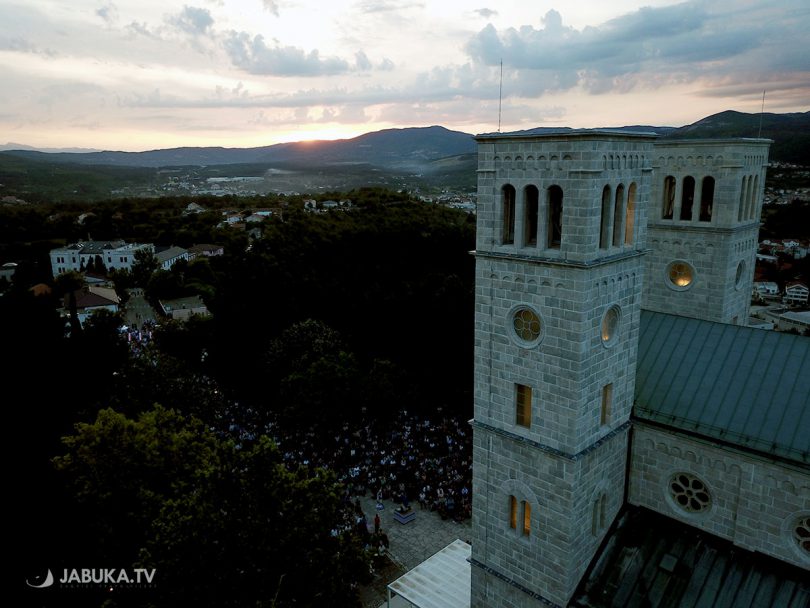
{"type": "Point", "coordinates": [755, 502]}
{"type": "Point", "coordinates": [569, 515]}
{"type": "Point", "coordinates": [571, 364]}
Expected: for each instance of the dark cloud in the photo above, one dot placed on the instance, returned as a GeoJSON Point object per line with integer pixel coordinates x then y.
{"type": "Point", "coordinates": [192, 20]}
{"type": "Point", "coordinates": [486, 13]}
{"type": "Point", "coordinates": [255, 57]}
{"type": "Point", "coordinates": [651, 46]}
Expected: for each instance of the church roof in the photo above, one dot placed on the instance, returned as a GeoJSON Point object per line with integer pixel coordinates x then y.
{"type": "Point", "coordinates": [652, 560]}
{"type": "Point", "coordinates": [743, 386]}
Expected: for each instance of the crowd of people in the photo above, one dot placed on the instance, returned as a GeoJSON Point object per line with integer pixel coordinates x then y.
{"type": "Point", "coordinates": [414, 459]}
{"type": "Point", "coordinates": [138, 337]}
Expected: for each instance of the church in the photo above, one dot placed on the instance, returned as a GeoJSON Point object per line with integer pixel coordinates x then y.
{"type": "Point", "coordinates": [634, 442]}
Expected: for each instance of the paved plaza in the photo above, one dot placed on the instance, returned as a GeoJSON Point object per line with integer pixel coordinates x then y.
{"type": "Point", "coordinates": [411, 543]}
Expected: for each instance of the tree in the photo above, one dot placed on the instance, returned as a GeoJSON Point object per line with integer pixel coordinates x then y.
{"type": "Point", "coordinates": [67, 284]}
{"type": "Point", "coordinates": [144, 264]}
{"type": "Point", "coordinates": [224, 524]}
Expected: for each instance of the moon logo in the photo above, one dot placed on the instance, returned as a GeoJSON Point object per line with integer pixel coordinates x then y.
{"type": "Point", "coordinates": [46, 583]}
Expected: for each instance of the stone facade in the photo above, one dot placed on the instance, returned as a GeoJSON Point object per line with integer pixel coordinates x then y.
{"type": "Point", "coordinates": [561, 230]}
{"type": "Point", "coordinates": [754, 502]}
{"type": "Point", "coordinates": [704, 213]}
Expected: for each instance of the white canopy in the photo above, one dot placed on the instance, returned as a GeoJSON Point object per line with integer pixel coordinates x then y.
{"type": "Point", "coordinates": [441, 581]}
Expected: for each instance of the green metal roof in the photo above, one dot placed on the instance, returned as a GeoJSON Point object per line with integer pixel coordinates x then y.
{"type": "Point", "coordinates": [744, 386]}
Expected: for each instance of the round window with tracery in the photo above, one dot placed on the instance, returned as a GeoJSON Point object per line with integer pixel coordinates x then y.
{"type": "Point", "coordinates": [801, 534]}
{"type": "Point", "coordinates": [680, 275]}
{"type": "Point", "coordinates": [526, 325]}
{"type": "Point", "coordinates": [689, 493]}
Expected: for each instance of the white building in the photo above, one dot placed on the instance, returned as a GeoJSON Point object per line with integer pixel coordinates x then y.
{"type": "Point", "coordinates": [170, 256]}
{"type": "Point", "coordinates": [111, 254]}
{"type": "Point", "coordinates": [796, 294]}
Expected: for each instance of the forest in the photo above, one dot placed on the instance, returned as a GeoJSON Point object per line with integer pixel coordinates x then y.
{"type": "Point", "coordinates": [162, 459]}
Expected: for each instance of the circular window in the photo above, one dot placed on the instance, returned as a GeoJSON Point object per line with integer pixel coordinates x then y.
{"type": "Point", "coordinates": [689, 493]}
{"type": "Point", "coordinates": [680, 275]}
{"type": "Point", "coordinates": [738, 280]}
{"type": "Point", "coordinates": [801, 534]}
{"type": "Point", "coordinates": [610, 325]}
{"type": "Point", "coordinates": [526, 326]}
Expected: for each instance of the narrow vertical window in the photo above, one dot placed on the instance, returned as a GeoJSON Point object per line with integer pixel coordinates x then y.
{"type": "Point", "coordinates": [513, 512]}
{"type": "Point", "coordinates": [706, 199]}
{"type": "Point", "coordinates": [531, 202]}
{"type": "Point", "coordinates": [607, 398]}
{"type": "Point", "coordinates": [523, 405]}
{"type": "Point", "coordinates": [630, 216]}
{"type": "Point", "coordinates": [527, 518]}
{"type": "Point", "coordinates": [748, 198]}
{"type": "Point", "coordinates": [669, 197]}
{"type": "Point", "coordinates": [508, 202]}
{"type": "Point", "coordinates": [618, 216]}
{"type": "Point", "coordinates": [742, 199]}
{"type": "Point", "coordinates": [754, 198]}
{"type": "Point", "coordinates": [604, 229]}
{"type": "Point", "coordinates": [602, 511]}
{"type": "Point", "coordinates": [687, 197]}
{"type": "Point", "coordinates": [555, 212]}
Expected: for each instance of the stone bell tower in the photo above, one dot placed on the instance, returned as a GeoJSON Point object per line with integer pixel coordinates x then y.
{"type": "Point", "coordinates": [559, 265]}
{"type": "Point", "coordinates": [703, 227]}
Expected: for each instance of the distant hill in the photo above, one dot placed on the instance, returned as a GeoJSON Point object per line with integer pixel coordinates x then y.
{"type": "Point", "coordinates": [390, 148]}
{"type": "Point", "coordinates": [790, 132]}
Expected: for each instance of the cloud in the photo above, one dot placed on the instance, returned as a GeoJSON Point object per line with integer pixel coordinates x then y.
{"type": "Point", "coordinates": [362, 61]}
{"type": "Point", "coordinates": [271, 6]}
{"type": "Point", "coordinates": [108, 12]}
{"type": "Point", "coordinates": [21, 45]}
{"type": "Point", "coordinates": [192, 20]}
{"type": "Point", "coordinates": [384, 6]}
{"type": "Point", "coordinates": [486, 13]}
{"type": "Point", "coordinates": [255, 57]}
{"type": "Point", "coordinates": [649, 47]}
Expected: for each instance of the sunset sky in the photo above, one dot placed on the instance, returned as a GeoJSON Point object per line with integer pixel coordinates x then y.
{"type": "Point", "coordinates": [145, 74]}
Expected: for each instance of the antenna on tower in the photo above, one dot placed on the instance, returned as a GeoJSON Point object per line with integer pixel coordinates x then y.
{"type": "Point", "coordinates": [500, 97]}
{"type": "Point", "coordinates": [761, 113]}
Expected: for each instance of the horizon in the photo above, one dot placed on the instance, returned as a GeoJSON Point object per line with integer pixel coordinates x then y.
{"type": "Point", "coordinates": [125, 76]}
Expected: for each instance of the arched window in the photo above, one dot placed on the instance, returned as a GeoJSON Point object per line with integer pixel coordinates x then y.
{"type": "Point", "coordinates": [512, 512]}
{"type": "Point", "coordinates": [618, 216]}
{"type": "Point", "coordinates": [669, 198]}
{"type": "Point", "coordinates": [508, 203]}
{"type": "Point", "coordinates": [527, 518]}
{"type": "Point", "coordinates": [753, 208]}
{"type": "Point", "coordinates": [706, 199]}
{"type": "Point", "coordinates": [748, 198]}
{"type": "Point", "coordinates": [531, 198]}
{"type": "Point", "coordinates": [599, 514]}
{"type": "Point", "coordinates": [604, 230]}
{"type": "Point", "coordinates": [630, 216]}
{"type": "Point", "coordinates": [687, 197]}
{"type": "Point", "coordinates": [555, 214]}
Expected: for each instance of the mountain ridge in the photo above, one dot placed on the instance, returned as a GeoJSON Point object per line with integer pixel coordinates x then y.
{"type": "Point", "coordinates": [411, 148]}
